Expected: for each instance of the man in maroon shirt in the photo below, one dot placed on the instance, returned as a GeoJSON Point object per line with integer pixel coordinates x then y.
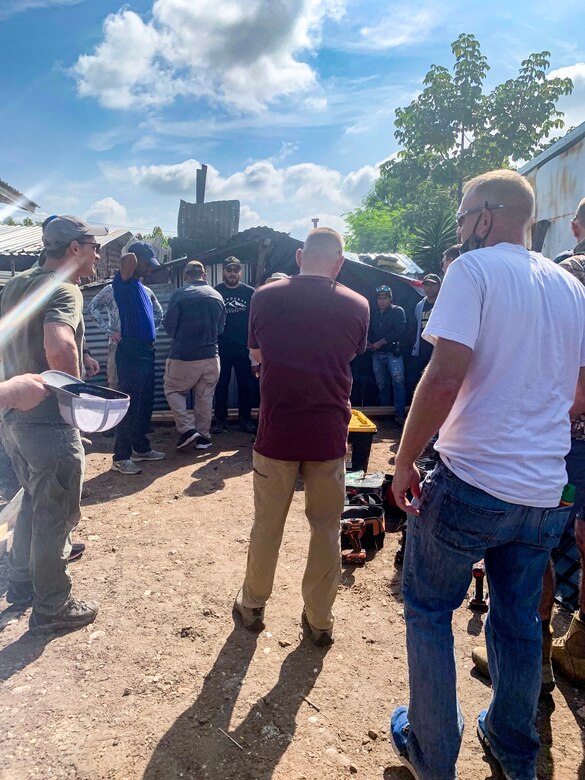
{"type": "Point", "coordinates": [304, 331]}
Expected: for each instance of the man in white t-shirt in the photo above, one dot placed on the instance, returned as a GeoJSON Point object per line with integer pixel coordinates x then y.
{"type": "Point", "coordinates": [509, 334]}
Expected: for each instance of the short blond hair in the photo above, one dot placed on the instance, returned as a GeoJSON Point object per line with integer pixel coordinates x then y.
{"type": "Point", "coordinates": [323, 242]}
{"type": "Point", "coordinates": [505, 187]}
{"type": "Point", "coordinates": [580, 213]}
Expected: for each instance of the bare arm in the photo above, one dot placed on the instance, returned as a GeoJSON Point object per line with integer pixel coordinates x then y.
{"type": "Point", "coordinates": [60, 348]}
{"type": "Point", "coordinates": [128, 265]}
{"type": "Point", "coordinates": [256, 354]}
{"type": "Point", "coordinates": [578, 407]}
{"type": "Point", "coordinates": [430, 407]}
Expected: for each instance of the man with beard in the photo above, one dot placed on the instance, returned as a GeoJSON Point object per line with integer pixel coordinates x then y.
{"type": "Point", "coordinates": [46, 453]}
{"type": "Point", "coordinates": [233, 348]}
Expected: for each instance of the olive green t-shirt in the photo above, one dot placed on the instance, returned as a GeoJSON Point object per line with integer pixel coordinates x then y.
{"type": "Point", "coordinates": [45, 300]}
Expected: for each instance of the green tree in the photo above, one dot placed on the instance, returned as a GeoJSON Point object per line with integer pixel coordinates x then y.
{"type": "Point", "coordinates": [8, 221]}
{"type": "Point", "coordinates": [375, 230]}
{"type": "Point", "coordinates": [454, 130]}
{"type": "Point", "coordinates": [158, 233]}
{"type": "Point", "coordinates": [27, 222]}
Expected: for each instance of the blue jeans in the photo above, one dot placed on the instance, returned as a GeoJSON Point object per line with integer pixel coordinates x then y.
{"type": "Point", "coordinates": [388, 367]}
{"type": "Point", "coordinates": [458, 525]}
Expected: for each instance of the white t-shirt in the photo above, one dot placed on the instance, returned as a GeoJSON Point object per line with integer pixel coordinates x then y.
{"type": "Point", "coordinates": [524, 318]}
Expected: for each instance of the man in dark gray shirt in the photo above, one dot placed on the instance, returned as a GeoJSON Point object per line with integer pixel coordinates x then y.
{"type": "Point", "coordinates": [194, 320]}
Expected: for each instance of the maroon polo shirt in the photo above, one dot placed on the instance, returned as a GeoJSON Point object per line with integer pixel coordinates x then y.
{"type": "Point", "coordinates": [308, 329]}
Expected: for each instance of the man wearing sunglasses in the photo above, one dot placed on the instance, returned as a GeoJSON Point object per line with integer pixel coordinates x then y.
{"type": "Point", "coordinates": [385, 339]}
{"type": "Point", "coordinates": [507, 371]}
{"type": "Point", "coordinates": [46, 453]}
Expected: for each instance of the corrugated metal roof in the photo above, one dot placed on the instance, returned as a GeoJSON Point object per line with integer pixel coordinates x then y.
{"type": "Point", "coordinates": [16, 239]}
{"type": "Point", "coordinates": [572, 138]}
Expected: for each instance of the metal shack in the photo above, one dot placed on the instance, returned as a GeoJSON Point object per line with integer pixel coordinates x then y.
{"type": "Point", "coordinates": [558, 178]}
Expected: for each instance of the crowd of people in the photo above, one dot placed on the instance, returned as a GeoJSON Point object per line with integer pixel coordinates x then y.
{"type": "Point", "coordinates": [500, 343]}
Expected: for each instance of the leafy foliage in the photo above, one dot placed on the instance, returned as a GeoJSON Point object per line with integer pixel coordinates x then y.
{"type": "Point", "coordinates": [453, 131]}
{"type": "Point", "coordinates": [432, 239]}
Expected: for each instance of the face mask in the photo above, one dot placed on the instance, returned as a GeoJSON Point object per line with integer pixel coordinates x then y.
{"type": "Point", "coordinates": [474, 241]}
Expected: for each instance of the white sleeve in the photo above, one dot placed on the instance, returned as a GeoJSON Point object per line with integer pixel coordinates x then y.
{"type": "Point", "coordinates": [457, 313]}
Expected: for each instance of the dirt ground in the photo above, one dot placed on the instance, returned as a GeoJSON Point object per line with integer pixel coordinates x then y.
{"type": "Point", "coordinates": [149, 689]}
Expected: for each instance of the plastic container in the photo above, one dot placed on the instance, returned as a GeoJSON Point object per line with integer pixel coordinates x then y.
{"type": "Point", "coordinates": [90, 408]}
{"type": "Point", "coordinates": [360, 435]}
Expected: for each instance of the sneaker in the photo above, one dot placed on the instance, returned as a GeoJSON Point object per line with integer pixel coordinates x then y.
{"type": "Point", "coordinates": [77, 551]}
{"type": "Point", "coordinates": [485, 742]}
{"type": "Point", "coordinates": [399, 730]}
{"type": "Point", "coordinates": [203, 442]}
{"type": "Point", "coordinates": [253, 619]}
{"type": "Point", "coordinates": [75, 614]}
{"type": "Point", "coordinates": [219, 426]}
{"type": "Point", "coordinates": [248, 426]}
{"type": "Point", "coordinates": [187, 438]}
{"type": "Point", "coordinates": [20, 594]}
{"type": "Point", "coordinates": [125, 467]}
{"type": "Point", "coordinates": [480, 659]}
{"type": "Point", "coordinates": [150, 455]}
{"type": "Point", "coordinates": [319, 636]}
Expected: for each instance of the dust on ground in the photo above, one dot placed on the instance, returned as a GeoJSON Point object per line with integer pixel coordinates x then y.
{"type": "Point", "coordinates": [148, 690]}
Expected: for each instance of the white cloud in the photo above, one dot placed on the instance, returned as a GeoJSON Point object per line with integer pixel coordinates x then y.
{"type": "Point", "coordinates": [239, 55]}
{"type": "Point", "coordinates": [11, 7]}
{"type": "Point", "coordinates": [248, 217]}
{"type": "Point", "coordinates": [261, 183]}
{"type": "Point", "coordinates": [573, 105]}
{"type": "Point", "coordinates": [107, 211]}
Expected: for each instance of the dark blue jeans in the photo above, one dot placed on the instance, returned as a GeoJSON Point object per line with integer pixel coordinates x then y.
{"type": "Point", "coordinates": [135, 366]}
{"type": "Point", "coordinates": [458, 525]}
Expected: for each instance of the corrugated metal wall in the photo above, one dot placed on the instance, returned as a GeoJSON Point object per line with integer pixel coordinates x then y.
{"type": "Point", "coordinates": [98, 344]}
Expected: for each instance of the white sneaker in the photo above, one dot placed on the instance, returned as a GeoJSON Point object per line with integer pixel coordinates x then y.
{"type": "Point", "coordinates": [125, 467]}
{"type": "Point", "coordinates": [150, 455]}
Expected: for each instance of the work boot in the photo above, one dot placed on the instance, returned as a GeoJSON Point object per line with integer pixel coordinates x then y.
{"type": "Point", "coordinates": [480, 659]}
{"type": "Point", "coordinates": [20, 594]}
{"type": "Point", "coordinates": [75, 614]}
{"type": "Point", "coordinates": [320, 637]}
{"type": "Point", "coordinates": [253, 619]}
{"type": "Point", "coordinates": [568, 652]}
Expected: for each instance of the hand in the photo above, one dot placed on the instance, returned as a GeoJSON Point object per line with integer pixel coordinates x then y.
{"type": "Point", "coordinates": [115, 338]}
{"type": "Point", "coordinates": [91, 365]}
{"type": "Point", "coordinates": [256, 371]}
{"type": "Point", "coordinates": [405, 477]}
{"type": "Point", "coordinates": [23, 392]}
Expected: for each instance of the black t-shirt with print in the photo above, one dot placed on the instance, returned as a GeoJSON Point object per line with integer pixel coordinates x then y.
{"type": "Point", "coordinates": [426, 348]}
{"type": "Point", "coordinates": [237, 309]}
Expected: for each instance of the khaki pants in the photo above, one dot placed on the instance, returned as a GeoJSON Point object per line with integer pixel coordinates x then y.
{"type": "Point", "coordinates": [111, 366]}
{"type": "Point", "coordinates": [274, 485]}
{"type": "Point", "coordinates": [200, 376]}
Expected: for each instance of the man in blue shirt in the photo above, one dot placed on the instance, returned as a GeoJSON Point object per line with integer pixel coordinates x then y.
{"type": "Point", "coordinates": [135, 357]}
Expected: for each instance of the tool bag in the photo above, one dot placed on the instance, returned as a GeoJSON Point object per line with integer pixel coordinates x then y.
{"type": "Point", "coordinates": [370, 516]}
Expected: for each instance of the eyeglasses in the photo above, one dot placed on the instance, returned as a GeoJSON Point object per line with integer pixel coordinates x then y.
{"type": "Point", "coordinates": [460, 216]}
{"type": "Point", "coordinates": [96, 246]}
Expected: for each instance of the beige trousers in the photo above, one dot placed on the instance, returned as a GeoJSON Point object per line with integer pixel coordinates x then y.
{"type": "Point", "coordinates": [201, 376]}
{"type": "Point", "coordinates": [274, 485]}
{"type": "Point", "coordinates": [111, 366]}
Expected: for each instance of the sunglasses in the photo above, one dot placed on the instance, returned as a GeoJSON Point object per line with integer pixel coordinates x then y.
{"type": "Point", "coordinates": [384, 289]}
{"type": "Point", "coordinates": [96, 246]}
{"type": "Point", "coordinates": [460, 216]}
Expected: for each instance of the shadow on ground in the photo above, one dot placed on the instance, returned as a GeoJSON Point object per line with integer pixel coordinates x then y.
{"type": "Point", "coordinates": [196, 746]}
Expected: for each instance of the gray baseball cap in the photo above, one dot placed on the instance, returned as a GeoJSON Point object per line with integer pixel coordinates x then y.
{"type": "Point", "coordinates": [59, 232]}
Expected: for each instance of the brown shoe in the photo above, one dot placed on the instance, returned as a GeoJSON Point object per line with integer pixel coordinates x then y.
{"type": "Point", "coordinates": [480, 659]}
{"type": "Point", "coordinates": [319, 636]}
{"type": "Point", "coordinates": [253, 619]}
{"type": "Point", "coordinates": [75, 614]}
{"type": "Point", "coordinates": [568, 652]}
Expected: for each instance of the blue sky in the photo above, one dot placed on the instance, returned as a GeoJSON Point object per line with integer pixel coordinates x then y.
{"type": "Point", "coordinates": [107, 108]}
